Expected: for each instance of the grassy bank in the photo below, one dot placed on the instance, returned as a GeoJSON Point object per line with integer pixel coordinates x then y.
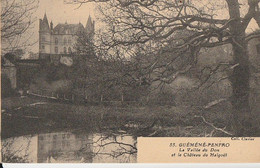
{"type": "Point", "coordinates": [21, 117]}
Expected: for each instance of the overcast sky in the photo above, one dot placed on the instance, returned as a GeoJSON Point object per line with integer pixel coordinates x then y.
{"type": "Point", "coordinates": [58, 11]}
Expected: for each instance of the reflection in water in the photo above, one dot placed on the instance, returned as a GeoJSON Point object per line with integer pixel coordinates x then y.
{"type": "Point", "coordinates": [63, 147]}
{"type": "Point", "coordinates": [73, 147]}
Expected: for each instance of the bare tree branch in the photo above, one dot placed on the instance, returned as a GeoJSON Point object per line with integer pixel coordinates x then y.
{"type": "Point", "coordinates": [216, 128]}
{"type": "Point", "coordinates": [16, 19]}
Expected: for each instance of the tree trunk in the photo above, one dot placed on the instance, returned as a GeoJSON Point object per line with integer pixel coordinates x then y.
{"type": "Point", "coordinates": [241, 88]}
{"type": "Point", "coordinates": [241, 73]}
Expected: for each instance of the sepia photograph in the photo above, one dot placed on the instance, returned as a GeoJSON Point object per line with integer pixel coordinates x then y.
{"type": "Point", "coordinates": [81, 80]}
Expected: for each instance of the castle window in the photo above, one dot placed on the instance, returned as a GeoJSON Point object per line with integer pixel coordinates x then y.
{"type": "Point", "coordinates": [43, 39]}
{"type": "Point", "coordinates": [65, 50]}
{"type": "Point", "coordinates": [56, 50]}
{"type": "Point", "coordinates": [65, 41]}
{"type": "Point", "coordinates": [56, 41]}
{"type": "Point", "coordinates": [70, 50]}
{"type": "Point", "coordinates": [43, 47]}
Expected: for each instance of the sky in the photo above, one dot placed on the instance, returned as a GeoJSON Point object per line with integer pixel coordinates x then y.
{"type": "Point", "coordinates": [58, 11]}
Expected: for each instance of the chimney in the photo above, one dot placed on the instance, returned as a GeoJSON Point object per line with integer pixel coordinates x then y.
{"type": "Point", "coordinates": [51, 24]}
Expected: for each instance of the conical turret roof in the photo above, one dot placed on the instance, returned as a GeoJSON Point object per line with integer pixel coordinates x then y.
{"type": "Point", "coordinates": [90, 25]}
{"type": "Point", "coordinates": [45, 24]}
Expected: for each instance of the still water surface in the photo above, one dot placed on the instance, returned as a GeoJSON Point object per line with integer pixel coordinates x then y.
{"type": "Point", "coordinates": [73, 147]}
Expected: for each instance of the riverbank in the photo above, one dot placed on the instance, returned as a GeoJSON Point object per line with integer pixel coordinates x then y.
{"type": "Point", "coordinates": [30, 115]}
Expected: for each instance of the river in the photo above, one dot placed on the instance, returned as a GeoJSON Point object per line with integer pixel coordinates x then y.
{"type": "Point", "coordinates": [72, 147]}
{"type": "Point", "coordinates": [39, 131]}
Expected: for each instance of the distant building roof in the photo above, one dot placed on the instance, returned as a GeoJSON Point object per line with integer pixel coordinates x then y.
{"type": "Point", "coordinates": [68, 28]}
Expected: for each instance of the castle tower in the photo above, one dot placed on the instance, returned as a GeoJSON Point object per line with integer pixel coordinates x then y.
{"type": "Point", "coordinates": [59, 41]}
{"type": "Point", "coordinates": [44, 38]}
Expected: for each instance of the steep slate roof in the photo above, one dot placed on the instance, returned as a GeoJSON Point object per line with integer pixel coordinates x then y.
{"type": "Point", "coordinates": [45, 20]}
{"type": "Point", "coordinates": [89, 25]}
{"type": "Point", "coordinates": [44, 24]}
{"type": "Point", "coordinates": [68, 28]}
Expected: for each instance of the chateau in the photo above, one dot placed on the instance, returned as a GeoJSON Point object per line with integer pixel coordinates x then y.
{"type": "Point", "coordinates": [59, 41]}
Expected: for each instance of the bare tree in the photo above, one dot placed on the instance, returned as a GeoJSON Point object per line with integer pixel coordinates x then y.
{"type": "Point", "coordinates": [159, 22]}
{"type": "Point", "coordinates": [16, 19]}
{"type": "Point", "coordinates": [110, 77]}
{"type": "Point", "coordinates": [122, 150]}
{"type": "Point", "coordinates": [12, 154]}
